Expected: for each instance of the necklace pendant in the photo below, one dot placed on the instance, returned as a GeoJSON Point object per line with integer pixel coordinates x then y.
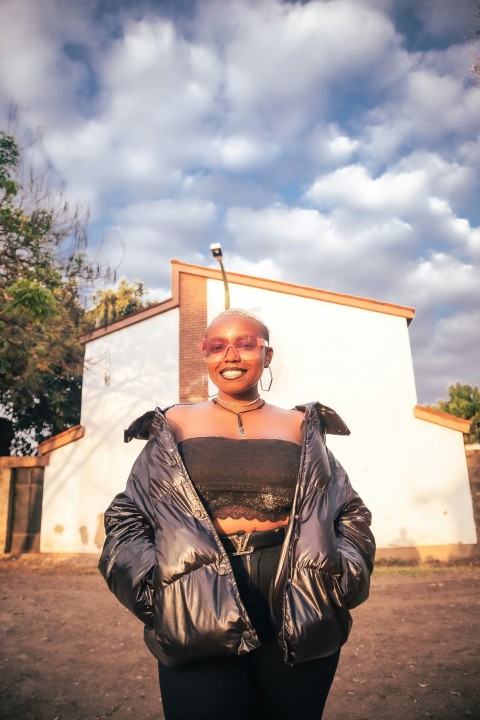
{"type": "Point", "coordinates": [241, 429]}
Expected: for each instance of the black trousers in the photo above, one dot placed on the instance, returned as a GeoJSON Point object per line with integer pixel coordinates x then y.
{"type": "Point", "coordinates": [257, 685]}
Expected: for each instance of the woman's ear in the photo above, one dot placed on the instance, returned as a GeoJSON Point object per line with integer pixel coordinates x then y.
{"type": "Point", "coordinates": [268, 356]}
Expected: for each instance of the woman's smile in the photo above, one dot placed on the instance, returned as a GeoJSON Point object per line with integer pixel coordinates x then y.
{"type": "Point", "coordinates": [232, 373]}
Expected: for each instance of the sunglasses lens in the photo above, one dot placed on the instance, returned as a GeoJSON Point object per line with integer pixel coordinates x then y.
{"type": "Point", "coordinates": [247, 346]}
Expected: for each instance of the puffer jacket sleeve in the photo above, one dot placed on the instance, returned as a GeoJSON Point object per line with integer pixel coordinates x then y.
{"type": "Point", "coordinates": [127, 558]}
{"type": "Point", "coordinates": [355, 541]}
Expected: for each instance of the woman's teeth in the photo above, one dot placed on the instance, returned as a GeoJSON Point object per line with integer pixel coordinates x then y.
{"type": "Point", "coordinates": [231, 374]}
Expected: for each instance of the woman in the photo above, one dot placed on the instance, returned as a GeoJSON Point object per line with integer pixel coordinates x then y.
{"type": "Point", "coordinates": [240, 543]}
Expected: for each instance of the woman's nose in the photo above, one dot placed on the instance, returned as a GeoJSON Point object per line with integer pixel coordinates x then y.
{"type": "Point", "coordinates": [231, 354]}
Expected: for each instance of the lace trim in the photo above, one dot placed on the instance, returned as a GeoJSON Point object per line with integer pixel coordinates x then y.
{"type": "Point", "coordinates": [236, 512]}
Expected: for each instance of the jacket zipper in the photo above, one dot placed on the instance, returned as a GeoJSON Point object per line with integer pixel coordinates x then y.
{"type": "Point", "coordinates": [189, 483]}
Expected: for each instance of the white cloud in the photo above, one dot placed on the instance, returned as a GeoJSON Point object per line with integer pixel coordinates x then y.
{"type": "Point", "coordinates": [440, 103]}
{"type": "Point", "coordinates": [329, 145]}
{"type": "Point", "coordinates": [310, 138]}
{"type": "Point", "coordinates": [353, 186]}
{"type": "Point", "coordinates": [162, 229]}
{"type": "Point", "coordinates": [447, 354]}
{"type": "Point", "coordinates": [430, 103]}
{"type": "Point", "coordinates": [282, 61]}
{"type": "Point", "coordinates": [177, 216]}
{"type": "Point", "coordinates": [420, 191]}
{"type": "Point", "coordinates": [328, 251]}
{"type": "Point", "coordinates": [242, 152]}
{"type": "Point", "coordinates": [442, 279]}
{"type": "Point", "coordinates": [266, 268]}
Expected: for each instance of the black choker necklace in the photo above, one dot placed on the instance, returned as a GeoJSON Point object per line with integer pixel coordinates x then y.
{"type": "Point", "coordinates": [241, 429]}
{"type": "Point", "coordinates": [245, 404]}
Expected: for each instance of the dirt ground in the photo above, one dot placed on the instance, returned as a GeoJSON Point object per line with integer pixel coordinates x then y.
{"type": "Point", "coordinates": [69, 651]}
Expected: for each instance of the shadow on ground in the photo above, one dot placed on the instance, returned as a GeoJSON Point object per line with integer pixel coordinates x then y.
{"type": "Point", "coordinates": [69, 651]}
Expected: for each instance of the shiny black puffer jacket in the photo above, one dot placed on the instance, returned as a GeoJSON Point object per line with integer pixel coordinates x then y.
{"type": "Point", "coordinates": [164, 560]}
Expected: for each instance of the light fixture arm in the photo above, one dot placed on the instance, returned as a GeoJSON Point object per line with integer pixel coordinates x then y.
{"type": "Point", "coordinates": [216, 250]}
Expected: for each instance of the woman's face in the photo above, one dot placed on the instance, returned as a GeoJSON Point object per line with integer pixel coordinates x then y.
{"type": "Point", "coordinates": [235, 357]}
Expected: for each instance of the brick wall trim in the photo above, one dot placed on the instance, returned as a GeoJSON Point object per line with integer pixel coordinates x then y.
{"type": "Point", "coordinates": [193, 321]}
{"type": "Point", "coordinates": [441, 418]}
{"type": "Point", "coordinates": [64, 438]}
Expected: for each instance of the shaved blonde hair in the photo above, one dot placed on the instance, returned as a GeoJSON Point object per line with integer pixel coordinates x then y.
{"type": "Point", "coordinates": [246, 314]}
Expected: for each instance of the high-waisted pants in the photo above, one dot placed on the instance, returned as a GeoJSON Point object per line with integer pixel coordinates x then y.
{"type": "Point", "coordinates": [257, 685]}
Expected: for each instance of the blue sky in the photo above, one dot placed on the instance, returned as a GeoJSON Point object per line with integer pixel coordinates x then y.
{"type": "Point", "coordinates": [330, 143]}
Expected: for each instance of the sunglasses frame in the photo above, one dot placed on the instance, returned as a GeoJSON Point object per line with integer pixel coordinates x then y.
{"type": "Point", "coordinates": [261, 342]}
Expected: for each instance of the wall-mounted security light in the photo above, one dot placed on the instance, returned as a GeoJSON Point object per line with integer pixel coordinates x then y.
{"type": "Point", "coordinates": [216, 250]}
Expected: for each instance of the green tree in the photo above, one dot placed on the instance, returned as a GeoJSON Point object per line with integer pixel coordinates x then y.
{"type": "Point", "coordinates": [464, 402]}
{"type": "Point", "coordinates": [44, 272]}
{"type": "Point", "coordinates": [45, 276]}
{"type": "Point", "coordinates": [110, 305]}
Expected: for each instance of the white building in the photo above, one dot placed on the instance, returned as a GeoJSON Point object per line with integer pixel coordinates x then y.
{"type": "Point", "coordinates": [353, 354]}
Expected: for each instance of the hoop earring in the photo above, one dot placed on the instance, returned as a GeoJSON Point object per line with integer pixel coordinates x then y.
{"type": "Point", "coordinates": [270, 383]}
{"type": "Point", "coordinates": [205, 385]}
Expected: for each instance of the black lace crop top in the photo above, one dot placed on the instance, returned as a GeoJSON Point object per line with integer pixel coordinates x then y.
{"type": "Point", "coordinates": [252, 479]}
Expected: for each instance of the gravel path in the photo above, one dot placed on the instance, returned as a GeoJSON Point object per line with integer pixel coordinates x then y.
{"type": "Point", "coordinates": [69, 651]}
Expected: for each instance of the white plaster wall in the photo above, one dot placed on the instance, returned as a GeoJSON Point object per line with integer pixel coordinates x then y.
{"type": "Point", "coordinates": [411, 473]}
{"type": "Point", "coordinates": [127, 373]}
{"type": "Point", "coordinates": [438, 500]}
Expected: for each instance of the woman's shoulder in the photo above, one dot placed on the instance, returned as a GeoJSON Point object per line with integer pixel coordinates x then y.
{"type": "Point", "coordinates": [185, 410]}
{"type": "Point", "coordinates": [287, 423]}
{"type": "Point", "coordinates": [286, 413]}
{"type": "Point", "coordinates": [187, 419]}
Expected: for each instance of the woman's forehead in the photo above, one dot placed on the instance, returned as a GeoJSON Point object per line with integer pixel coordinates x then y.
{"type": "Point", "coordinates": [231, 325]}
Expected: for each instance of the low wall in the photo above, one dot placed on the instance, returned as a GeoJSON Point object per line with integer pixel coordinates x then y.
{"type": "Point", "coordinates": [428, 553]}
{"type": "Point", "coordinates": [7, 465]}
{"type": "Point", "coordinates": [441, 553]}
{"type": "Point", "coordinates": [473, 463]}
{"type": "Point", "coordinates": [5, 489]}
{"type": "Point", "coordinates": [445, 553]}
